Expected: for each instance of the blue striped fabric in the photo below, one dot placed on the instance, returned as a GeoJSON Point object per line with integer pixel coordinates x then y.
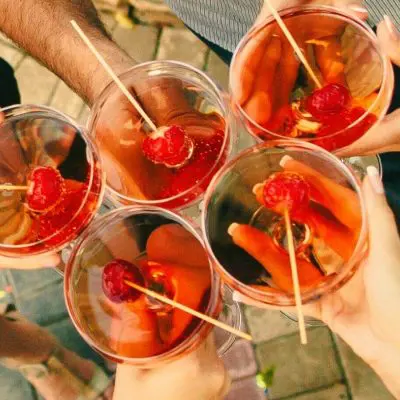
{"type": "Point", "coordinates": [224, 22]}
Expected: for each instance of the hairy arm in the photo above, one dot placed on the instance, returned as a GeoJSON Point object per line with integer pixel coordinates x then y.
{"type": "Point", "coordinates": [42, 27]}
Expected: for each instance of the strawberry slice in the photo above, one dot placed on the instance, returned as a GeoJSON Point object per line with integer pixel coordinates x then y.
{"type": "Point", "coordinates": [114, 275]}
{"type": "Point", "coordinates": [170, 146]}
{"type": "Point", "coordinates": [286, 190]}
{"type": "Point", "coordinates": [331, 99]}
{"type": "Point", "coordinates": [45, 190]}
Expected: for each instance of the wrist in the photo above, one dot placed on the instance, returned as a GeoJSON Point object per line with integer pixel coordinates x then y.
{"type": "Point", "coordinates": [98, 78]}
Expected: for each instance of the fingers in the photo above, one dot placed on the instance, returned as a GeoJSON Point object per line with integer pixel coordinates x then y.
{"type": "Point", "coordinates": [174, 244]}
{"type": "Point", "coordinates": [36, 262]}
{"type": "Point", "coordinates": [389, 39]}
{"type": "Point", "coordinates": [382, 138]}
{"type": "Point", "coordinates": [330, 61]}
{"type": "Point", "coordinates": [286, 74]}
{"type": "Point", "coordinates": [247, 64]}
{"type": "Point", "coordinates": [259, 106]}
{"type": "Point", "coordinates": [383, 234]}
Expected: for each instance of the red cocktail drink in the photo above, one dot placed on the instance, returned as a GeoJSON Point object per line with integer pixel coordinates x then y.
{"type": "Point", "coordinates": [60, 176]}
{"type": "Point", "coordinates": [245, 230]}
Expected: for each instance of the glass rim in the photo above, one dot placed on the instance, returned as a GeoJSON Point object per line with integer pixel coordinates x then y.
{"type": "Point", "coordinates": [202, 326]}
{"type": "Point", "coordinates": [387, 69]}
{"type": "Point", "coordinates": [223, 103]}
{"type": "Point", "coordinates": [93, 158]}
{"type": "Point", "coordinates": [282, 298]}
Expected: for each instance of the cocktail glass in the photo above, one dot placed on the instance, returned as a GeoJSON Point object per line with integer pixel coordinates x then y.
{"type": "Point", "coordinates": [252, 256]}
{"type": "Point", "coordinates": [36, 136]}
{"type": "Point", "coordinates": [172, 93]}
{"type": "Point", "coordinates": [169, 252]}
{"type": "Point", "coordinates": [342, 50]}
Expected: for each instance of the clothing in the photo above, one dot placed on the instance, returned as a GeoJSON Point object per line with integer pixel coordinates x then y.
{"type": "Point", "coordinates": [225, 22]}
{"type": "Point", "coordinates": [9, 93]}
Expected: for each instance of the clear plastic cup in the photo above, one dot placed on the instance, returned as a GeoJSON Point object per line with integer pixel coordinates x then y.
{"type": "Point", "coordinates": [170, 254]}
{"type": "Point", "coordinates": [172, 93]}
{"type": "Point", "coordinates": [36, 136]}
{"type": "Point", "coordinates": [252, 256]}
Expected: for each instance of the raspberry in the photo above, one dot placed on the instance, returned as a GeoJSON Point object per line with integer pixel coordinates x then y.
{"type": "Point", "coordinates": [327, 101]}
{"type": "Point", "coordinates": [286, 190]}
{"type": "Point", "coordinates": [169, 146]}
{"type": "Point", "coordinates": [206, 152]}
{"type": "Point", "coordinates": [114, 275]}
{"type": "Point", "coordinates": [45, 190]}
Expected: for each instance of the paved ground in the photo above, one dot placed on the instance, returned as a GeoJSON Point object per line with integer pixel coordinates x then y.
{"type": "Point", "coordinates": [325, 369]}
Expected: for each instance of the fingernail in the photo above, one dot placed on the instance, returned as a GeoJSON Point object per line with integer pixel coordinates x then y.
{"type": "Point", "coordinates": [392, 29]}
{"type": "Point", "coordinates": [232, 228]}
{"type": "Point", "coordinates": [284, 160]}
{"type": "Point", "coordinates": [236, 297]}
{"type": "Point", "coordinates": [375, 179]}
{"type": "Point", "coordinates": [358, 9]}
{"type": "Point", "coordinates": [257, 187]}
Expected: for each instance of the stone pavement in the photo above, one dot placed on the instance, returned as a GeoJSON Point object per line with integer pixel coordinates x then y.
{"type": "Point", "coordinates": [325, 369]}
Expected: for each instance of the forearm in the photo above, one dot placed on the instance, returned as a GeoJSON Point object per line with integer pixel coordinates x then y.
{"type": "Point", "coordinates": [24, 341]}
{"type": "Point", "coordinates": [42, 27]}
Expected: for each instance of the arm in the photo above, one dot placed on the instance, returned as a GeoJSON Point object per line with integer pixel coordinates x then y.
{"type": "Point", "coordinates": [42, 27]}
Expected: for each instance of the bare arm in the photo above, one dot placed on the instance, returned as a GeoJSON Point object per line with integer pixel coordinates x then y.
{"type": "Point", "coordinates": [42, 27]}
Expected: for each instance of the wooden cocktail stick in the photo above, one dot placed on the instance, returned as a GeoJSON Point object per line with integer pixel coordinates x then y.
{"type": "Point", "coordinates": [293, 43]}
{"type": "Point", "coordinates": [113, 76]}
{"type": "Point", "coordinates": [295, 278]}
{"type": "Point", "coordinates": [189, 310]}
{"type": "Point", "coordinates": [11, 188]}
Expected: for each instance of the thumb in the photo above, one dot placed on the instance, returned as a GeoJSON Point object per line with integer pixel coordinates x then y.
{"type": "Point", "coordinates": [383, 234]}
{"type": "Point", "coordinates": [389, 39]}
{"type": "Point", "coordinates": [381, 138]}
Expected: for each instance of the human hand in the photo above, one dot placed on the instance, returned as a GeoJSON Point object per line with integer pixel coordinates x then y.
{"type": "Point", "coordinates": [270, 58]}
{"type": "Point", "coordinates": [364, 312]}
{"type": "Point", "coordinates": [385, 136]}
{"type": "Point", "coordinates": [199, 375]}
{"type": "Point", "coordinates": [36, 262]}
{"type": "Point", "coordinates": [120, 132]}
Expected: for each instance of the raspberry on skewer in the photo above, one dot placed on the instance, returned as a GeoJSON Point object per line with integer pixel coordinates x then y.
{"type": "Point", "coordinates": [284, 191]}
{"type": "Point", "coordinates": [170, 146]}
{"type": "Point", "coordinates": [330, 100]}
{"type": "Point", "coordinates": [45, 190]}
{"type": "Point", "coordinates": [115, 273]}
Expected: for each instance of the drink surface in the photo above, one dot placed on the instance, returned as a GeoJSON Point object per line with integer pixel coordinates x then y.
{"type": "Point", "coordinates": [171, 262]}
{"type": "Point", "coordinates": [277, 96]}
{"type": "Point", "coordinates": [62, 180]}
{"type": "Point", "coordinates": [245, 224]}
{"type": "Point", "coordinates": [132, 173]}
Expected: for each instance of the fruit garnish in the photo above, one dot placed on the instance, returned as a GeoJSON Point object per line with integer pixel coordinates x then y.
{"type": "Point", "coordinates": [60, 217]}
{"type": "Point", "coordinates": [170, 146]}
{"type": "Point", "coordinates": [203, 161]}
{"type": "Point", "coordinates": [115, 273]}
{"type": "Point", "coordinates": [286, 190]}
{"type": "Point", "coordinates": [46, 187]}
{"type": "Point", "coordinates": [331, 99]}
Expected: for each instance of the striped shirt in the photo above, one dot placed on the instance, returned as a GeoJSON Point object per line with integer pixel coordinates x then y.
{"type": "Point", "coordinates": [225, 22]}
